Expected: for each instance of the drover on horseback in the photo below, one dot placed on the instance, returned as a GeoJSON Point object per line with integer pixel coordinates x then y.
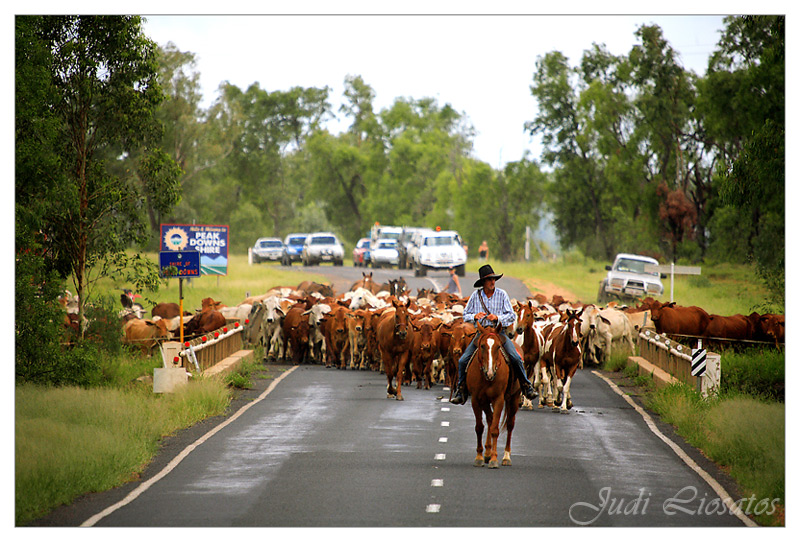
{"type": "Point", "coordinates": [489, 305]}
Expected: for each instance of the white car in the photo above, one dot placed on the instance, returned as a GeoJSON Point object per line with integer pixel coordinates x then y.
{"type": "Point", "coordinates": [267, 248]}
{"type": "Point", "coordinates": [384, 254]}
{"type": "Point", "coordinates": [322, 247]}
{"type": "Point", "coordinates": [439, 250]}
{"type": "Point", "coordinates": [627, 279]}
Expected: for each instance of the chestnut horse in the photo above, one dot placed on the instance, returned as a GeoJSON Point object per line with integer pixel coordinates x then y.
{"type": "Point", "coordinates": [491, 384]}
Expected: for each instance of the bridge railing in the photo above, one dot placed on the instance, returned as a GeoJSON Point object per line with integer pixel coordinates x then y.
{"type": "Point", "coordinates": [676, 359]}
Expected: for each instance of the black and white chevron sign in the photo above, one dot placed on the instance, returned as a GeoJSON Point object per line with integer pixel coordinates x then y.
{"type": "Point", "coordinates": [698, 361]}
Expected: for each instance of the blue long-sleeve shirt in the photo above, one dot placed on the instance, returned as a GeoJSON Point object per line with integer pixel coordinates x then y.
{"type": "Point", "coordinates": [498, 304]}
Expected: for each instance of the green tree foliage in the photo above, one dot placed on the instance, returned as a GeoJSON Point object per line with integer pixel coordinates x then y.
{"type": "Point", "coordinates": [754, 180]}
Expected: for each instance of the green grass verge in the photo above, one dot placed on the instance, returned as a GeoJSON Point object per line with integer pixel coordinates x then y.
{"type": "Point", "coordinates": [70, 441]}
{"type": "Point", "coordinates": [743, 434]}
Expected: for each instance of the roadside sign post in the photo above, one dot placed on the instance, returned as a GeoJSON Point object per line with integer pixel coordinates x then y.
{"type": "Point", "coordinates": [182, 265]}
{"type": "Point", "coordinates": [672, 269]}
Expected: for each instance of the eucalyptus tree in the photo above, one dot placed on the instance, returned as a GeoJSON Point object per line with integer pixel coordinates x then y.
{"type": "Point", "coordinates": [100, 73]}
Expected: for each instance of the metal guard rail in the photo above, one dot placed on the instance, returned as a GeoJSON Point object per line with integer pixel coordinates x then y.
{"type": "Point", "coordinates": [211, 348]}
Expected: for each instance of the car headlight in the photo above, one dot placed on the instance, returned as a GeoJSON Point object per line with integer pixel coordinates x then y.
{"type": "Point", "coordinates": [617, 283]}
{"type": "Point", "coordinates": [653, 288]}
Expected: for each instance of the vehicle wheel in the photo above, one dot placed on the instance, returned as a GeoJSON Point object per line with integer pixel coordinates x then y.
{"type": "Point", "coordinates": [460, 271]}
{"type": "Point", "coordinates": [338, 263]}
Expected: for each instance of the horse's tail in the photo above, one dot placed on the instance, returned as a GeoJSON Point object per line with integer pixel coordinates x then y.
{"type": "Point", "coordinates": [505, 420]}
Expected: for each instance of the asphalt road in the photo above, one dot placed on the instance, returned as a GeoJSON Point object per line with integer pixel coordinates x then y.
{"type": "Point", "coordinates": [342, 278]}
{"type": "Point", "coordinates": [326, 448]}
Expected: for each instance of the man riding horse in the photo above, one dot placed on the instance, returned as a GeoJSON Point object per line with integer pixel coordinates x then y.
{"type": "Point", "coordinates": [489, 305]}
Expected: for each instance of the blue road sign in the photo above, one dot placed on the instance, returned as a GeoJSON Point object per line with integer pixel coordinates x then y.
{"type": "Point", "coordinates": [184, 264]}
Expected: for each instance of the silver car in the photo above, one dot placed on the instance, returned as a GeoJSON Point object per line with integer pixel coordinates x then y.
{"type": "Point", "coordinates": [322, 247]}
{"type": "Point", "coordinates": [627, 279]}
{"type": "Point", "coordinates": [267, 249]}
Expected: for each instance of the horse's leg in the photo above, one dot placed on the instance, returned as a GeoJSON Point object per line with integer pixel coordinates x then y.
{"type": "Point", "coordinates": [401, 365]}
{"type": "Point", "coordinates": [565, 395]}
{"type": "Point", "coordinates": [476, 409]}
{"type": "Point", "coordinates": [511, 419]}
{"type": "Point", "coordinates": [389, 371]}
{"type": "Point", "coordinates": [497, 411]}
{"type": "Point", "coordinates": [558, 379]}
{"type": "Point", "coordinates": [545, 398]}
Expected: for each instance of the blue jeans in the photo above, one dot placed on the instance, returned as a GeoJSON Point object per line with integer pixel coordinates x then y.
{"type": "Point", "coordinates": [508, 346]}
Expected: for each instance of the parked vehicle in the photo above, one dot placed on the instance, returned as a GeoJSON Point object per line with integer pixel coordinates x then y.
{"type": "Point", "coordinates": [439, 250]}
{"type": "Point", "coordinates": [385, 253]}
{"type": "Point", "coordinates": [293, 248]}
{"type": "Point", "coordinates": [361, 254]}
{"type": "Point", "coordinates": [627, 279]}
{"type": "Point", "coordinates": [267, 248]}
{"type": "Point", "coordinates": [404, 246]}
{"type": "Point", "coordinates": [322, 247]}
{"type": "Point", "coordinates": [384, 232]}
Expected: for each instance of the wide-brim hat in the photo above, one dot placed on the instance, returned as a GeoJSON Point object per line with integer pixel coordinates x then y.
{"type": "Point", "coordinates": [486, 272]}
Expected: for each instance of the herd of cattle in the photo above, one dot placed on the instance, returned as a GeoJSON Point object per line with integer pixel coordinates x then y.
{"type": "Point", "coordinates": [420, 338]}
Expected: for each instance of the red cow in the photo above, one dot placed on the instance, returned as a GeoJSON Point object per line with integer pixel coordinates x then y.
{"type": "Point", "coordinates": [671, 319]}
{"type": "Point", "coordinates": [168, 310]}
{"type": "Point", "coordinates": [337, 342]}
{"type": "Point", "coordinates": [460, 335]}
{"type": "Point", "coordinates": [356, 331]}
{"type": "Point", "coordinates": [737, 327]}
{"type": "Point", "coordinates": [394, 341]}
{"type": "Point", "coordinates": [424, 348]}
{"type": "Point", "coordinates": [774, 327]}
{"type": "Point", "coordinates": [296, 332]}
{"type": "Point", "coordinates": [205, 322]}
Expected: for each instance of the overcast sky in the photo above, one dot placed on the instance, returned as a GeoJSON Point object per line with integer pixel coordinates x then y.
{"type": "Point", "coordinates": [482, 65]}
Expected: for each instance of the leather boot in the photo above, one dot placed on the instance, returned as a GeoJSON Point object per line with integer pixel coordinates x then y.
{"type": "Point", "coordinates": [529, 392]}
{"type": "Point", "coordinates": [460, 397]}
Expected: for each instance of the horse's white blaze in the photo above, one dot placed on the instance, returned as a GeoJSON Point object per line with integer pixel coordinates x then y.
{"type": "Point", "coordinates": [490, 343]}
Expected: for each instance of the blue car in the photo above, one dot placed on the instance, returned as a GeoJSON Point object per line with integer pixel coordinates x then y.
{"type": "Point", "coordinates": [293, 248]}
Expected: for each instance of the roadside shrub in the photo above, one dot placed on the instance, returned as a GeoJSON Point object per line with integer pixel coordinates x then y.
{"type": "Point", "coordinates": [759, 372]}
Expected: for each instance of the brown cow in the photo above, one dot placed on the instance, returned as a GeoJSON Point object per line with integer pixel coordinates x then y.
{"type": "Point", "coordinates": [296, 332]}
{"type": "Point", "coordinates": [774, 327]}
{"type": "Point", "coordinates": [676, 320]}
{"type": "Point", "coordinates": [357, 338]}
{"type": "Point", "coordinates": [309, 287]}
{"type": "Point", "coordinates": [424, 348]}
{"type": "Point", "coordinates": [460, 335]}
{"type": "Point", "coordinates": [394, 340]}
{"type": "Point", "coordinates": [146, 334]}
{"type": "Point", "coordinates": [736, 327]}
{"type": "Point", "coordinates": [168, 310]}
{"type": "Point", "coordinates": [337, 341]}
{"type": "Point", "coordinates": [205, 322]}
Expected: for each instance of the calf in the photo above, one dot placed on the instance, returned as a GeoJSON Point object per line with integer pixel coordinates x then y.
{"type": "Point", "coordinates": [146, 333]}
{"type": "Point", "coordinates": [356, 324]}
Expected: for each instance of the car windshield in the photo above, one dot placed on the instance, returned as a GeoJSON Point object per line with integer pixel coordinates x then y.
{"type": "Point", "coordinates": [323, 241]}
{"type": "Point", "coordinates": [390, 235]}
{"type": "Point", "coordinates": [297, 240]}
{"type": "Point", "coordinates": [270, 244]}
{"type": "Point", "coordinates": [634, 266]}
{"type": "Point", "coordinates": [438, 241]}
{"type": "Point", "coordinates": [363, 244]}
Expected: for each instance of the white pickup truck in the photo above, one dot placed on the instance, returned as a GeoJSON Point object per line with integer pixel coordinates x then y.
{"type": "Point", "coordinates": [439, 250]}
{"type": "Point", "coordinates": [627, 280]}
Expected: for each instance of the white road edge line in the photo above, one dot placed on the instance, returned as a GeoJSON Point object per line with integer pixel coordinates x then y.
{"type": "Point", "coordinates": [723, 495]}
{"type": "Point", "coordinates": [180, 457]}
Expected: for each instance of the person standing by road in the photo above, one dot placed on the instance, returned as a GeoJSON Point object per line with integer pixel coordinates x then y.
{"type": "Point", "coordinates": [489, 305]}
{"type": "Point", "coordinates": [453, 287]}
{"type": "Point", "coordinates": [483, 252]}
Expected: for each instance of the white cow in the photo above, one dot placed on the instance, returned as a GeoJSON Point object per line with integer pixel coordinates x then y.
{"type": "Point", "coordinates": [316, 338]}
{"type": "Point", "coordinates": [271, 327]}
{"type": "Point", "coordinates": [605, 327]}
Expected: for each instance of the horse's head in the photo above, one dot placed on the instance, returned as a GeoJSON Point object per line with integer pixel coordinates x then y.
{"type": "Point", "coordinates": [489, 350]}
{"type": "Point", "coordinates": [573, 325]}
{"type": "Point", "coordinates": [401, 320]}
{"type": "Point", "coordinates": [525, 318]}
